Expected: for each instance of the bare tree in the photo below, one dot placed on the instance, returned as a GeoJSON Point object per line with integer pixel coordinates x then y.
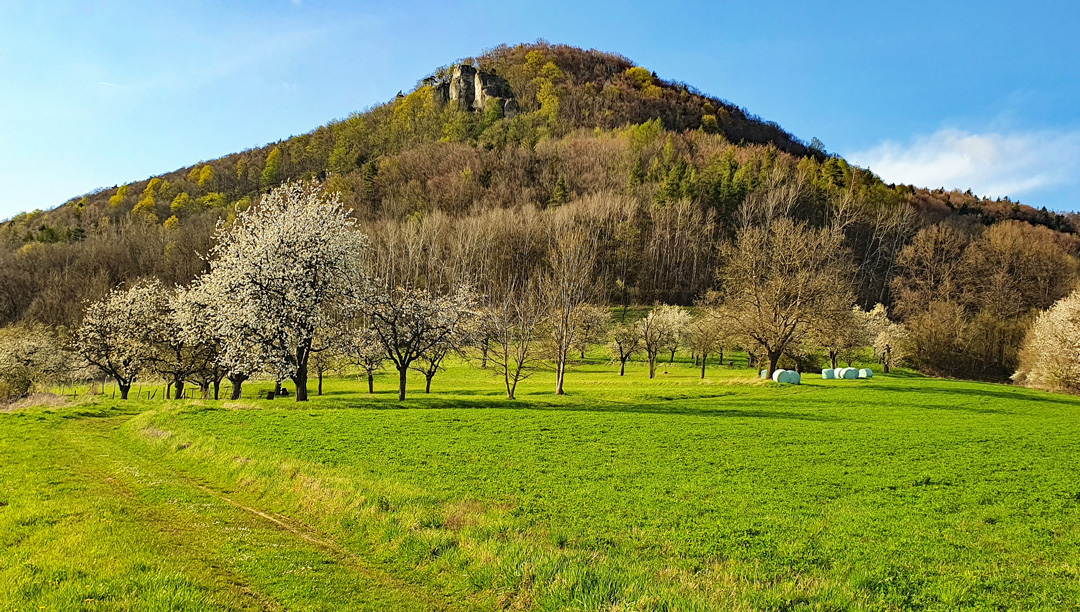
{"type": "Point", "coordinates": [842, 333]}
{"type": "Point", "coordinates": [514, 322]}
{"type": "Point", "coordinates": [367, 352]}
{"type": "Point", "coordinates": [778, 282]}
{"type": "Point", "coordinates": [706, 337]}
{"type": "Point", "coordinates": [567, 285]}
{"type": "Point", "coordinates": [623, 341]}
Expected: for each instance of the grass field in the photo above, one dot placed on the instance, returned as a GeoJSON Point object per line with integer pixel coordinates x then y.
{"type": "Point", "coordinates": [895, 493]}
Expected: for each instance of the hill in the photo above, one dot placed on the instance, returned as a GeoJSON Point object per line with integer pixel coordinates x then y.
{"type": "Point", "coordinates": [673, 171]}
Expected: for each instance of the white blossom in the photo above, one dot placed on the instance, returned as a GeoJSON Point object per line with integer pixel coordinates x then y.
{"type": "Point", "coordinates": [1050, 358]}
{"type": "Point", "coordinates": [285, 269]}
{"type": "Point", "coordinates": [116, 332]}
{"type": "Point", "coordinates": [412, 323]}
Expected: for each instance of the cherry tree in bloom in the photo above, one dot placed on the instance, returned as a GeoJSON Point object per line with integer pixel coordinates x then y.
{"type": "Point", "coordinates": [285, 270]}
{"type": "Point", "coordinates": [658, 331]}
{"type": "Point", "coordinates": [115, 334]}
{"type": "Point", "coordinates": [171, 353]}
{"type": "Point", "coordinates": [413, 323]}
{"type": "Point", "coordinates": [205, 318]}
{"type": "Point", "coordinates": [31, 355]}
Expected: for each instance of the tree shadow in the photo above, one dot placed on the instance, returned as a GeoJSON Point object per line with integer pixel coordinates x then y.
{"type": "Point", "coordinates": [1013, 394]}
{"type": "Point", "coordinates": [744, 408]}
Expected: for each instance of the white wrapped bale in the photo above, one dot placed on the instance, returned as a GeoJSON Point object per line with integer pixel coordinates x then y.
{"type": "Point", "coordinates": [787, 377]}
{"type": "Point", "coordinates": [776, 374]}
{"type": "Point", "coordinates": [828, 374]}
{"type": "Point", "coordinates": [851, 373]}
{"type": "Point", "coordinates": [866, 373]}
{"type": "Point", "coordinates": [764, 373]}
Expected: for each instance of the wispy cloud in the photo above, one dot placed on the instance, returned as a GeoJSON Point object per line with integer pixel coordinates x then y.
{"type": "Point", "coordinates": [994, 164]}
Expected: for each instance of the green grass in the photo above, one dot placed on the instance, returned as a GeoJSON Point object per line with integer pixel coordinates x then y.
{"type": "Point", "coordinates": [895, 493]}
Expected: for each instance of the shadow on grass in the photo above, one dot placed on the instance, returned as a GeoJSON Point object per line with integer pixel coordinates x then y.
{"type": "Point", "coordinates": [744, 408]}
{"type": "Point", "coordinates": [1007, 394]}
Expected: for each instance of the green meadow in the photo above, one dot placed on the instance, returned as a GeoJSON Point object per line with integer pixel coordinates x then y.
{"type": "Point", "coordinates": [900, 492]}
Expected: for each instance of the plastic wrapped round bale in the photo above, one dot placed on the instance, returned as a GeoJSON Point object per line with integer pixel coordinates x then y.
{"type": "Point", "coordinates": [787, 377]}
{"type": "Point", "coordinates": [850, 373]}
{"type": "Point", "coordinates": [764, 373]}
{"type": "Point", "coordinates": [866, 373]}
{"type": "Point", "coordinates": [828, 374]}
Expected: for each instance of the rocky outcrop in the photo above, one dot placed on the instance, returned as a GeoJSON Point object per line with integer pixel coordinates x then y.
{"type": "Point", "coordinates": [471, 89]}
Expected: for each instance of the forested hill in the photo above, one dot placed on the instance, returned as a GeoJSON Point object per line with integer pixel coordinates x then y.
{"type": "Point", "coordinates": [526, 127]}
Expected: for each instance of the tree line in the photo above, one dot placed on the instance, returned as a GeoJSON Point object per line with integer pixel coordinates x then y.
{"type": "Point", "coordinates": [295, 285]}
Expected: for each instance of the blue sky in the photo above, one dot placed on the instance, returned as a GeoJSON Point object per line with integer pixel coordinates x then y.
{"type": "Point", "coordinates": [980, 95]}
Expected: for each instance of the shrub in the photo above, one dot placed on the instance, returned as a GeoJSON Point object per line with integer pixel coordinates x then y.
{"type": "Point", "coordinates": [1050, 357]}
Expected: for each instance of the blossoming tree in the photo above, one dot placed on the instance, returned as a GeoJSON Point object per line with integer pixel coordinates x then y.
{"type": "Point", "coordinates": [286, 269]}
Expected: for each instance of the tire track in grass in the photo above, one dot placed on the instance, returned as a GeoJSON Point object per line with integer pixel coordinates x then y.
{"type": "Point", "coordinates": [136, 476]}
{"type": "Point", "coordinates": [349, 558]}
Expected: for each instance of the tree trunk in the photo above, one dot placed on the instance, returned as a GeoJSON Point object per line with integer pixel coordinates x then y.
{"type": "Point", "coordinates": [622, 368]}
{"type": "Point", "coordinates": [774, 358]}
{"type": "Point", "coordinates": [237, 381]}
{"type": "Point", "coordinates": [484, 354]}
{"type": "Point", "coordinates": [704, 356]}
{"type": "Point", "coordinates": [403, 377]}
{"type": "Point", "coordinates": [217, 389]}
{"type": "Point", "coordinates": [888, 358]}
{"type": "Point", "coordinates": [652, 366]}
{"type": "Point", "coordinates": [428, 377]}
{"type": "Point", "coordinates": [370, 383]}
{"type": "Point", "coordinates": [320, 382]}
{"type": "Point", "coordinates": [834, 356]}
{"type": "Point", "coordinates": [178, 389]}
{"type": "Point", "coordinates": [124, 389]}
{"type": "Point", "coordinates": [277, 388]}
{"type": "Point", "coordinates": [672, 360]}
{"type": "Point", "coordinates": [300, 378]}
{"type": "Point", "coordinates": [560, 373]}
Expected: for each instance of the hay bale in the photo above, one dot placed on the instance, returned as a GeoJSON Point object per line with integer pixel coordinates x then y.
{"type": "Point", "coordinates": [866, 373]}
{"type": "Point", "coordinates": [850, 373]}
{"type": "Point", "coordinates": [787, 377]}
{"type": "Point", "coordinates": [764, 373]}
{"type": "Point", "coordinates": [828, 374]}
{"type": "Point", "coordinates": [776, 374]}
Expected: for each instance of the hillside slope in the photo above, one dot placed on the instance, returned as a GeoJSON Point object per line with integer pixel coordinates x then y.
{"type": "Point", "coordinates": [534, 125]}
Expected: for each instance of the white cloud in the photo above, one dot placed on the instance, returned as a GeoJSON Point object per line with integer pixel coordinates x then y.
{"type": "Point", "coordinates": [994, 164]}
